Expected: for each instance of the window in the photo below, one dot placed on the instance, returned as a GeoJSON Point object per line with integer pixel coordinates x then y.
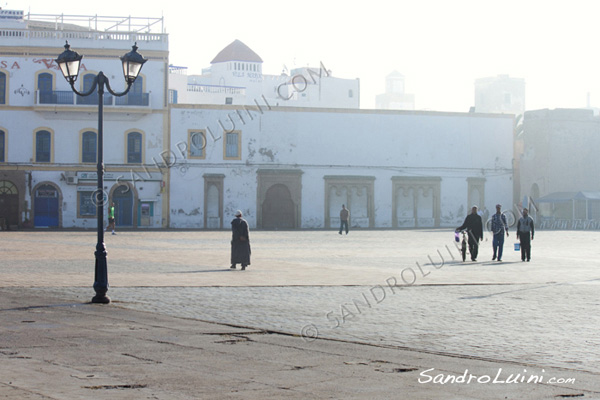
{"type": "Point", "coordinates": [2, 88]}
{"type": "Point", "coordinates": [196, 144]}
{"type": "Point", "coordinates": [43, 146]}
{"type": "Point", "coordinates": [45, 88]}
{"type": "Point", "coordinates": [136, 93]}
{"type": "Point", "coordinates": [350, 93]}
{"type": "Point", "coordinates": [88, 147]}
{"type": "Point", "coordinates": [228, 100]}
{"type": "Point", "coordinates": [87, 81]}
{"type": "Point", "coordinates": [172, 96]}
{"type": "Point", "coordinates": [2, 146]}
{"type": "Point", "coordinates": [87, 204]}
{"type": "Point", "coordinates": [134, 148]}
{"type": "Point", "coordinates": [232, 146]}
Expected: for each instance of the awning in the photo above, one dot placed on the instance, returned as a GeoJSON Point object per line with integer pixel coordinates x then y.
{"type": "Point", "coordinates": [558, 197]}
{"type": "Point", "coordinates": [587, 196]}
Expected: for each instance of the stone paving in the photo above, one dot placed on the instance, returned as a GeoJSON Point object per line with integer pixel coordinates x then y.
{"type": "Point", "coordinates": [392, 288]}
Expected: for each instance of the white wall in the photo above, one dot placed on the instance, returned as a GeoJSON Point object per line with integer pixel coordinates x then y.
{"type": "Point", "coordinates": [344, 142]}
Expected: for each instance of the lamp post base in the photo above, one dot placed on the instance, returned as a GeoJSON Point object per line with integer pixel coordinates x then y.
{"type": "Point", "coordinates": [101, 274]}
{"type": "Point", "coordinates": [101, 299]}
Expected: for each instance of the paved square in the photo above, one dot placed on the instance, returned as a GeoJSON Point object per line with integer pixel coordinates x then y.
{"type": "Point", "coordinates": [404, 289]}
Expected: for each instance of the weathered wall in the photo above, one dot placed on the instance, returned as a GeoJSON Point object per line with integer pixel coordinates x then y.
{"type": "Point", "coordinates": [353, 143]}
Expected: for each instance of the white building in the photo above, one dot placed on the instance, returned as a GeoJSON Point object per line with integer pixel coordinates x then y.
{"type": "Point", "coordinates": [236, 77]}
{"type": "Point", "coordinates": [48, 135]}
{"type": "Point", "coordinates": [295, 167]}
{"type": "Point", "coordinates": [500, 94]}
{"type": "Point", "coordinates": [188, 152]}
{"type": "Point", "coordinates": [395, 96]}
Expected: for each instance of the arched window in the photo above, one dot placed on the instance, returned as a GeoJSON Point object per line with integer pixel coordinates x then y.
{"type": "Point", "coordinates": [88, 147]}
{"type": "Point", "coordinates": [45, 88]}
{"type": "Point", "coordinates": [43, 146]}
{"type": "Point", "coordinates": [134, 148]}
{"type": "Point", "coordinates": [136, 93]}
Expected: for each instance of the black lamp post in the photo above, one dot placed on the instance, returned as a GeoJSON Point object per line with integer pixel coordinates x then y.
{"type": "Point", "coordinates": [69, 63]}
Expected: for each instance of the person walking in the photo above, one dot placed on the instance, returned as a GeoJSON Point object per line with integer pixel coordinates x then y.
{"type": "Point", "coordinates": [240, 241]}
{"type": "Point", "coordinates": [344, 216]}
{"type": "Point", "coordinates": [474, 228]}
{"type": "Point", "coordinates": [525, 228]}
{"type": "Point", "coordinates": [499, 226]}
{"type": "Point", "coordinates": [111, 218]}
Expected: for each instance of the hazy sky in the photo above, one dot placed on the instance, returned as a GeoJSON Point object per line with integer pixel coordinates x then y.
{"type": "Point", "coordinates": [440, 46]}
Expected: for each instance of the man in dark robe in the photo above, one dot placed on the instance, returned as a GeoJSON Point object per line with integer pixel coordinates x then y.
{"type": "Point", "coordinates": [240, 241]}
{"type": "Point", "coordinates": [474, 227]}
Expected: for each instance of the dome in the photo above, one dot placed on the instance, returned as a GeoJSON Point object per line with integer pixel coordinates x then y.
{"type": "Point", "coordinates": [237, 51]}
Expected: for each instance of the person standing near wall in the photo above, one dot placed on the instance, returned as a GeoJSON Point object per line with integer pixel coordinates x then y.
{"type": "Point", "coordinates": [525, 228]}
{"type": "Point", "coordinates": [240, 241]}
{"type": "Point", "coordinates": [499, 226]}
{"type": "Point", "coordinates": [344, 217]}
{"type": "Point", "coordinates": [111, 218]}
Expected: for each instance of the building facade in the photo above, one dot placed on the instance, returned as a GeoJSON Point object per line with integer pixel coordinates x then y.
{"type": "Point", "coordinates": [500, 94]}
{"type": "Point", "coordinates": [49, 135]}
{"type": "Point", "coordinates": [289, 168]}
{"type": "Point", "coordinates": [559, 165]}
{"type": "Point", "coordinates": [236, 77]}
{"type": "Point", "coordinates": [395, 96]}
{"type": "Point", "coordinates": [187, 151]}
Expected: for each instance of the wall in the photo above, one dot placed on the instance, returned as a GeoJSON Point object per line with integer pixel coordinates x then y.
{"type": "Point", "coordinates": [341, 143]}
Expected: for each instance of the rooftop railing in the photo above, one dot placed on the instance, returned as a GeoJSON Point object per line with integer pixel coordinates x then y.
{"type": "Point", "coordinates": [70, 27]}
{"type": "Point", "coordinates": [193, 87]}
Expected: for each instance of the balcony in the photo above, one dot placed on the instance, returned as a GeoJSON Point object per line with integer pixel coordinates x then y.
{"type": "Point", "coordinates": [216, 89]}
{"type": "Point", "coordinates": [68, 98]}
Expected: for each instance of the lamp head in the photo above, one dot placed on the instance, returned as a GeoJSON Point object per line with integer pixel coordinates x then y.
{"type": "Point", "coordinates": [132, 64]}
{"type": "Point", "coordinates": [69, 62]}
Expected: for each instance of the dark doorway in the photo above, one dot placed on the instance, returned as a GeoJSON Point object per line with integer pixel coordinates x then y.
{"type": "Point", "coordinates": [278, 210]}
{"type": "Point", "coordinates": [9, 205]}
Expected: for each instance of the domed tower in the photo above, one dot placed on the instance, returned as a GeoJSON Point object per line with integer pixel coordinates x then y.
{"type": "Point", "coordinates": [238, 65]}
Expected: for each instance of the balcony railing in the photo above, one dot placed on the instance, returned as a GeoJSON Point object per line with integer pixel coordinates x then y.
{"type": "Point", "coordinates": [198, 88]}
{"type": "Point", "coordinates": [67, 97]}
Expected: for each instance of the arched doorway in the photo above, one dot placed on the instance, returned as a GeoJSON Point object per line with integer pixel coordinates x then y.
{"type": "Point", "coordinates": [123, 199]}
{"type": "Point", "coordinates": [45, 211]}
{"type": "Point", "coordinates": [9, 204]}
{"type": "Point", "coordinates": [278, 210]}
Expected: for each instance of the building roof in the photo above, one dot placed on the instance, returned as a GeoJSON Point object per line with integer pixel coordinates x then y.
{"type": "Point", "coordinates": [236, 51]}
{"type": "Point", "coordinates": [564, 197]}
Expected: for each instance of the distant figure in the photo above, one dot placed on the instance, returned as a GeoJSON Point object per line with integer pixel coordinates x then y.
{"type": "Point", "coordinates": [499, 226]}
{"type": "Point", "coordinates": [474, 227]}
{"type": "Point", "coordinates": [344, 216]}
{"type": "Point", "coordinates": [240, 241]}
{"type": "Point", "coordinates": [524, 229]}
{"type": "Point", "coordinates": [111, 218]}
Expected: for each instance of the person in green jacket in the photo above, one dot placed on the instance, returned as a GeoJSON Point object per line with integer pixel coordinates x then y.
{"type": "Point", "coordinates": [111, 218]}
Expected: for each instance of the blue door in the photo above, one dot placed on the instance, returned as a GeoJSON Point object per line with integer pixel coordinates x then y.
{"type": "Point", "coordinates": [46, 207]}
{"type": "Point", "coordinates": [123, 199]}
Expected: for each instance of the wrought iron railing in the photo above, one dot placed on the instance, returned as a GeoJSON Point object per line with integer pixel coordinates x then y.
{"type": "Point", "coordinates": [67, 97]}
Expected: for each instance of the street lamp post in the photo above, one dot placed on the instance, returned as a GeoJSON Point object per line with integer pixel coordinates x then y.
{"type": "Point", "coordinates": [69, 63]}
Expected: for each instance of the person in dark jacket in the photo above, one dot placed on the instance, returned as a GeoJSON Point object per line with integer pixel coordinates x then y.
{"type": "Point", "coordinates": [240, 241]}
{"type": "Point", "coordinates": [474, 227]}
{"type": "Point", "coordinates": [525, 231]}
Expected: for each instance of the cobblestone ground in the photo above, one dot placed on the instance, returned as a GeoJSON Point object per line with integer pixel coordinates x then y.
{"type": "Point", "coordinates": [398, 288]}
